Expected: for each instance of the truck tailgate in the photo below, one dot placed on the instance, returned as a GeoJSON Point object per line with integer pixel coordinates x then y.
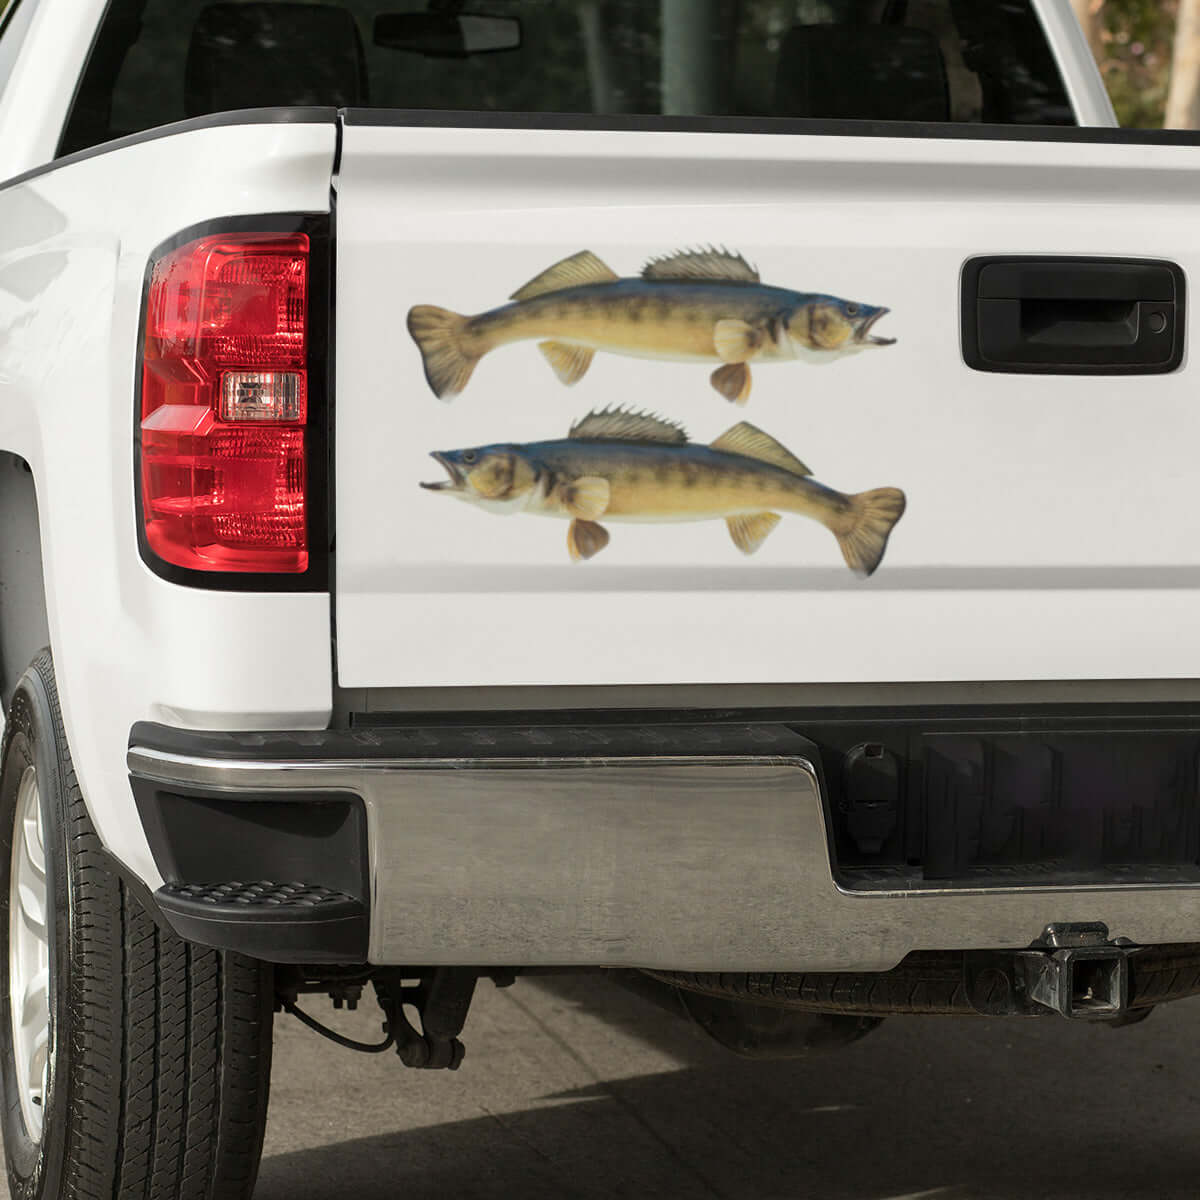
{"type": "Point", "coordinates": [1051, 524]}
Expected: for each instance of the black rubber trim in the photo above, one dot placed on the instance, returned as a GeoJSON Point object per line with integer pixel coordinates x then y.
{"type": "Point", "coordinates": [212, 846]}
{"type": "Point", "coordinates": [340, 938]}
{"type": "Point", "coordinates": [626, 739]}
{"type": "Point", "coordinates": [202, 835]}
{"type": "Point", "coordinates": [793, 126]}
{"type": "Point", "coordinates": [320, 379]}
{"type": "Point", "coordinates": [559, 732]}
{"type": "Point", "coordinates": [246, 116]}
{"type": "Point", "coordinates": [332, 931]}
{"type": "Point", "coordinates": [279, 903]}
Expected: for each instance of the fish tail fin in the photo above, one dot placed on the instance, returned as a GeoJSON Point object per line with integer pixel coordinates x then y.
{"type": "Point", "coordinates": [869, 523]}
{"type": "Point", "coordinates": [439, 334]}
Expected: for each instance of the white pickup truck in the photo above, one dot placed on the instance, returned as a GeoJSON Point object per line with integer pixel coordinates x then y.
{"type": "Point", "coordinates": [876, 285]}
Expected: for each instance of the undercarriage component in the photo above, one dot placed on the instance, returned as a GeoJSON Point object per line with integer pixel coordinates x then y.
{"type": "Point", "coordinates": [343, 985]}
{"type": "Point", "coordinates": [337, 1038]}
{"type": "Point", "coordinates": [990, 983]}
{"type": "Point", "coordinates": [442, 999]}
{"type": "Point", "coordinates": [1074, 971]}
{"type": "Point", "coordinates": [758, 1031]}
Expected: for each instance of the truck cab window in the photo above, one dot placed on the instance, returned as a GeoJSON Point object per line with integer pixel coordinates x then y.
{"type": "Point", "coordinates": [158, 61]}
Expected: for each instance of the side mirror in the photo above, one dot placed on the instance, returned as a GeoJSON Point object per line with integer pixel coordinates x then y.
{"type": "Point", "coordinates": [440, 35]}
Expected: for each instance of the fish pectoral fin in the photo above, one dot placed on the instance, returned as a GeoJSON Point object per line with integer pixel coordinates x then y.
{"type": "Point", "coordinates": [751, 531]}
{"type": "Point", "coordinates": [585, 539]}
{"type": "Point", "coordinates": [733, 382]}
{"type": "Point", "coordinates": [587, 498]}
{"type": "Point", "coordinates": [750, 442]}
{"type": "Point", "coordinates": [736, 341]}
{"type": "Point", "coordinates": [577, 271]}
{"type": "Point", "coordinates": [570, 363]}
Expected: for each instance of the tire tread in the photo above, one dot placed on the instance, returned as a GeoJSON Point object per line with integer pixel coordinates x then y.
{"type": "Point", "coordinates": [170, 1043]}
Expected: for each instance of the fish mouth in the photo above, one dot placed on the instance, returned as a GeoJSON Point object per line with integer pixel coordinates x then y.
{"type": "Point", "coordinates": [866, 337]}
{"type": "Point", "coordinates": [445, 485]}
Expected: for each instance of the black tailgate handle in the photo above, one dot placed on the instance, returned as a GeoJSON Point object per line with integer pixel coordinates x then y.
{"type": "Point", "coordinates": [1073, 316]}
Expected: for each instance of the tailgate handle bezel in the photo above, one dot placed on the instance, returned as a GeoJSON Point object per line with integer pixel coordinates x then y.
{"type": "Point", "coordinates": [1073, 316]}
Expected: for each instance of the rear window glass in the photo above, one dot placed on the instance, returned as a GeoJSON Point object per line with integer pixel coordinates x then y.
{"type": "Point", "coordinates": [157, 61]}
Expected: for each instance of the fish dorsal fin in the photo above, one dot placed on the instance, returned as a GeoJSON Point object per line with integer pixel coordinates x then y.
{"type": "Point", "coordinates": [750, 442]}
{"type": "Point", "coordinates": [620, 424]}
{"type": "Point", "coordinates": [701, 263]}
{"type": "Point", "coordinates": [576, 271]}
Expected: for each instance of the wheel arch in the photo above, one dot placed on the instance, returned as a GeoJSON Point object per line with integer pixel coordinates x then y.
{"type": "Point", "coordinates": [24, 626]}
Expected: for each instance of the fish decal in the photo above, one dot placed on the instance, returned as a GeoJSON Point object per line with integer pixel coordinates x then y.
{"type": "Point", "coordinates": [617, 465]}
{"type": "Point", "coordinates": [694, 306]}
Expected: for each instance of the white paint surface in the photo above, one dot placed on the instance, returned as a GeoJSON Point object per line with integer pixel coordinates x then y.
{"type": "Point", "coordinates": [128, 646]}
{"type": "Point", "coordinates": [1052, 530]}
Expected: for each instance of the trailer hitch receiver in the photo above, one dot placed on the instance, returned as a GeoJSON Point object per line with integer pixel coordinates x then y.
{"type": "Point", "coordinates": [1077, 971]}
{"type": "Point", "coordinates": [1079, 974]}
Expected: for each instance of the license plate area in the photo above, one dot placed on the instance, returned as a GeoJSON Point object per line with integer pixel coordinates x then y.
{"type": "Point", "coordinates": [1049, 805]}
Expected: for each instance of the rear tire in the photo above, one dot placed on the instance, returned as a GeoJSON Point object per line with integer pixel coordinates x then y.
{"type": "Point", "coordinates": [158, 1053]}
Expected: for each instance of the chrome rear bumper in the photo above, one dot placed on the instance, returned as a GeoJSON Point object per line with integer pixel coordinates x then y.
{"type": "Point", "coordinates": [686, 862]}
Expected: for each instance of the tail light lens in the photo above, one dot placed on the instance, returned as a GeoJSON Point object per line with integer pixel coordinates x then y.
{"type": "Point", "coordinates": [224, 404]}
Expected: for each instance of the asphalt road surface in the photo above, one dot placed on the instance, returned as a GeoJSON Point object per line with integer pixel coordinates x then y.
{"type": "Point", "coordinates": [574, 1087]}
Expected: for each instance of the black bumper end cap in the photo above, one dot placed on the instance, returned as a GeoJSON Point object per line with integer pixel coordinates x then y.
{"type": "Point", "coordinates": [268, 922]}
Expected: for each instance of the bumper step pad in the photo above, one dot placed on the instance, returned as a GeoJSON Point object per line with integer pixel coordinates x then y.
{"type": "Point", "coordinates": [268, 920]}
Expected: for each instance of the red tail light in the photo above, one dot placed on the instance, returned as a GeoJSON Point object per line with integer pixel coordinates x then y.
{"type": "Point", "coordinates": [224, 403]}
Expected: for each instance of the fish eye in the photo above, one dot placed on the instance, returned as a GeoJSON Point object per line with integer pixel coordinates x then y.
{"type": "Point", "coordinates": [469, 456]}
{"type": "Point", "coordinates": [852, 309]}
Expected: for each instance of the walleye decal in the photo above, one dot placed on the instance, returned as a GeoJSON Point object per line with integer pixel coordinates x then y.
{"type": "Point", "coordinates": [694, 306]}
{"type": "Point", "coordinates": [618, 465]}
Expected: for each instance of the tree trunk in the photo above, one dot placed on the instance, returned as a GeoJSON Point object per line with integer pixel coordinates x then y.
{"type": "Point", "coordinates": [1183, 100]}
{"type": "Point", "coordinates": [599, 61]}
{"type": "Point", "coordinates": [695, 57]}
{"type": "Point", "coordinates": [1089, 13]}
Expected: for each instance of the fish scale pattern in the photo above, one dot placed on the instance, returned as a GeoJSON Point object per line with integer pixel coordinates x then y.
{"type": "Point", "coordinates": [169, 1048]}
